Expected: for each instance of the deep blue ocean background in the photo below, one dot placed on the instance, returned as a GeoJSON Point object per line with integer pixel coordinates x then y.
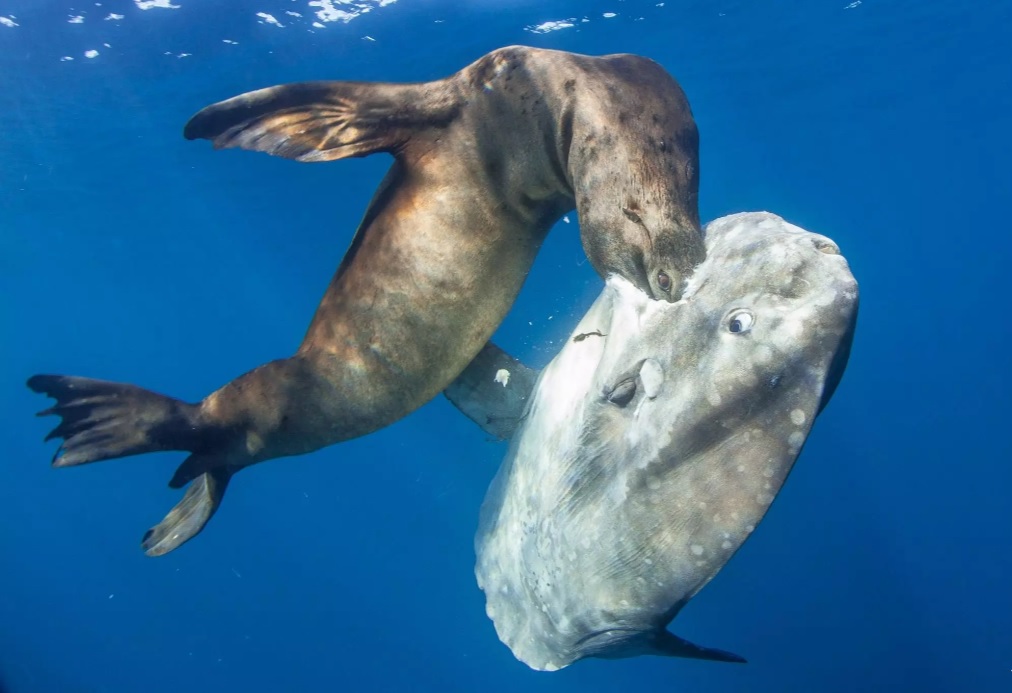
{"type": "Point", "coordinates": [128, 253]}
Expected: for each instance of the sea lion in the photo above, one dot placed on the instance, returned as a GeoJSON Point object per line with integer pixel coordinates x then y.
{"type": "Point", "coordinates": [650, 449]}
{"type": "Point", "coordinates": [485, 162]}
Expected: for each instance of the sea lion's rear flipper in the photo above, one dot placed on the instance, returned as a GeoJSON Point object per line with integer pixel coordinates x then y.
{"type": "Point", "coordinates": [188, 518]}
{"type": "Point", "coordinates": [493, 390]}
{"type": "Point", "coordinates": [668, 644]}
{"type": "Point", "coordinates": [103, 420]}
{"type": "Point", "coordinates": [323, 121]}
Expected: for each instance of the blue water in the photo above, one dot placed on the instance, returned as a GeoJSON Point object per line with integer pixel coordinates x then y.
{"type": "Point", "coordinates": [129, 254]}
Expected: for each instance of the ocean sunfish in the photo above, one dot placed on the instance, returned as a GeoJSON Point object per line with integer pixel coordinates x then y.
{"type": "Point", "coordinates": [652, 445]}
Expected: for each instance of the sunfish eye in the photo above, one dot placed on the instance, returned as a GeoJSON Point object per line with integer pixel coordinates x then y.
{"type": "Point", "coordinates": [631, 215]}
{"type": "Point", "coordinates": [622, 393]}
{"type": "Point", "coordinates": [664, 281]}
{"type": "Point", "coordinates": [740, 321]}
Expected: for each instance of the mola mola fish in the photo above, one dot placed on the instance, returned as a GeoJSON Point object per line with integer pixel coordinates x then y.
{"type": "Point", "coordinates": [653, 444]}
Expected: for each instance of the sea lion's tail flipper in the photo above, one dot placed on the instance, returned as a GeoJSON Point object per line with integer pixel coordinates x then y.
{"type": "Point", "coordinates": [103, 420]}
{"type": "Point", "coordinates": [493, 391]}
{"type": "Point", "coordinates": [323, 121]}
{"type": "Point", "coordinates": [670, 645]}
{"type": "Point", "coordinates": [188, 518]}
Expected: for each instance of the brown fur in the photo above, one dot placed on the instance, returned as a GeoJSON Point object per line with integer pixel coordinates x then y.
{"type": "Point", "coordinates": [486, 161]}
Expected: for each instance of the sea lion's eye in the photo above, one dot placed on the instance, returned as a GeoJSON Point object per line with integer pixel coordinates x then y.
{"type": "Point", "coordinates": [740, 321]}
{"type": "Point", "coordinates": [664, 281]}
{"type": "Point", "coordinates": [631, 215]}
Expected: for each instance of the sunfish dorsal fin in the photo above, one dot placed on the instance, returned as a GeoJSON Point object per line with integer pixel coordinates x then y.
{"type": "Point", "coordinates": [493, 391]}
{"type": "Point", "coordinates": [324, 121]}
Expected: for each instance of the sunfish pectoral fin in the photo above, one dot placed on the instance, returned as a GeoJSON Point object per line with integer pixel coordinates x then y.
{"type": "Point", "coordinates": [652, 377]}
{"type": "Point", "coordinates": [493, 391]}
{"type": "Point", "coordinates": [324, 121]}
{"type": "Point", "coordinates": [189, 516]}
{"type": "Point", "coordinates": [668, 644]}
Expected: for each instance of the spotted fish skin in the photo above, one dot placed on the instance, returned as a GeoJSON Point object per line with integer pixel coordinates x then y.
{"type": "Point", "coordinates": [644, 458]}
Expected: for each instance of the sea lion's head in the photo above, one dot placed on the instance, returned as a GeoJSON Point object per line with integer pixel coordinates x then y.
{"type": "Point", "coordinates": [634, 161]}
{"type": "Point", "coordinates": [654, 246]}
{"type": "Point", "coordinates": [646, 229]}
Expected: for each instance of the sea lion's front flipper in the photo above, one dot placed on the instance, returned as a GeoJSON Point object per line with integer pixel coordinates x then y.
{"type": "Point", "coordinates": [323, 121]}
{"type": "Point", "coordinates": [102, 420]}
{"type": "Point", "coordinates": [189, 516]}
{"type": "Point", "coordinates": [493, 390]}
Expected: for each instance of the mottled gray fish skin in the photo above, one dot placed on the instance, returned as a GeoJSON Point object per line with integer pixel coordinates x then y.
{"type": "Point", "coordinates": [485, 162]}
{"type": "Point", "coordinates": [648, 455]}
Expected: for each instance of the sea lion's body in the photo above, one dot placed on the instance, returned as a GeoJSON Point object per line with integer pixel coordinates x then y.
{"type": "Point", "coordinates": [487, 161]}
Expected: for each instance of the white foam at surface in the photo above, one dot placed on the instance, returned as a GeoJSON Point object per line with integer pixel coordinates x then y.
{"type": "Point", "coordinates": [317, 14]}
{"type": "Point", "coordinates": [555, 25]}
{"type": "Point", "coordinates": [266, 18]}
{"type": "Point", "coordinates": [8, 21]}
{"type": "Point", "coordinates": [91, 54]}
{"type": "Point", "coordinates": [155, 4]}
{"type": "Point", "coordinates": [329, 12]}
